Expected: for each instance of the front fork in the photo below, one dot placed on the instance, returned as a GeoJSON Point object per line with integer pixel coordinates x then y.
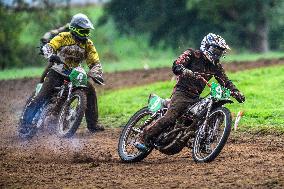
{"type": "Point", "coordinates": [70, 86]}
{"type": "Point", "coordinates": [62, 97]}
{"type": "Point", "coordinates": [203, 126]}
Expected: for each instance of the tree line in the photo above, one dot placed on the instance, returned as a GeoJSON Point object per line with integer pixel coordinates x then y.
{"type": "Point", "coordinates": [256, 25]}
{"type": "Point", "coordinates": [247, 25]}
{"type": "Point", "coordinates": [14, 18]}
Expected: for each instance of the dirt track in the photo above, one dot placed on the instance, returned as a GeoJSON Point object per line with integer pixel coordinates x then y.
{"type": "Point", "coordinates": [91, 161]}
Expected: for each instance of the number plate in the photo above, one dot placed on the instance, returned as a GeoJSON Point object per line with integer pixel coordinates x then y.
{"type": "Point", "coordinates": [78, 77]}
{"type": "Point", "coordinates": [155, 103]}
{"type": "Point", "coordinates": [219, 92]}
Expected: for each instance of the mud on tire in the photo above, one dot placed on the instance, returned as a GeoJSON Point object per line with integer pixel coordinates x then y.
{"type": "Point", "coordinates": [125, 135]}
{"type": "Point", "coordinates": [26, 131]}
{"type": "Point", "coordinates": [70, 119]}
{"type": "Point", "coordinates": [202, 157]}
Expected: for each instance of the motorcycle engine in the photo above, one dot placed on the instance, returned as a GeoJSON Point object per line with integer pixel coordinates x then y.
{"type": "Point", "coordinates": [168, 142]}
{"type": "Point", "coordinates": [199, 108]}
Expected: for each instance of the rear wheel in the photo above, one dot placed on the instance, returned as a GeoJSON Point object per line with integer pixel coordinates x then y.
{"type": "Point", "coordinates": [72, 113]}
{"type": "Point", "coordinates": [130, 134]}
{"type": "Point", "coordinates": [27, 129]}
{"type": "Point", "coordinates": [209, 143]}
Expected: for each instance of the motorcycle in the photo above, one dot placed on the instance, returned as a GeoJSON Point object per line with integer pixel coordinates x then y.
{"type": "Point", "coordinates": [69, 100]}
{"type": "Point", "coordinates": [204, 127]}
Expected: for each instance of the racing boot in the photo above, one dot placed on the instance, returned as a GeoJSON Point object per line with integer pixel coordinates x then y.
{"type": "Point", "coordinates": [145, 139]}
{"type": "Point", "coordinates": [140, 144]}
{"type": "Point", "coordinates": [92, 113]}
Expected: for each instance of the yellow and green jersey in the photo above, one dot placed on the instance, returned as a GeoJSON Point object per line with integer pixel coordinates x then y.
{"type": "Point", "coordinates": [72, 53]}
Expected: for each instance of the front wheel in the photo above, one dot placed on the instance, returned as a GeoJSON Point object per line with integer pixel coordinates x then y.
{"type": "Point", "coordinates": [72, 113]}
{"type": "Point", "coordinates": [130, 134]}
{"type": "Point", "coordinates": [209, 142]}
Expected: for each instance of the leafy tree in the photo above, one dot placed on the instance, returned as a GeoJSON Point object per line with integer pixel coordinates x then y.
{"type": "Point", "coordinates": [162, 20]}
{"type": "Point", "coordinates": [43, 17]}
{"type": "Point", "coordinates": [248, 22]}
{"type": "Point", "coordinates": [10, 27]}
{"type": "Point", "coordinates": [245, 24]}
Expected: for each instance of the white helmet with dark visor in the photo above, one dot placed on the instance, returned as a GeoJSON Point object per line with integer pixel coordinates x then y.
{"type": "Point", "coordinates": [214, 47]}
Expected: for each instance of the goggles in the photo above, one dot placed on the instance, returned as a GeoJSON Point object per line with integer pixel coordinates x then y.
{"type": "Point", "coordinates": [216, 51]}
{"type": "Point", "coordinates": [81, 32]}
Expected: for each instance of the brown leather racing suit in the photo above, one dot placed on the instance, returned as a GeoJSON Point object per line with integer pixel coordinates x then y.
{"type": "Point", "coordinates": [188, 89]}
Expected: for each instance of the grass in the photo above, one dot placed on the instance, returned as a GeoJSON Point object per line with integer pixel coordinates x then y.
{"type": "Point", "coordinates": [253, 56]}
{"type": "Point", "coordinates": [264, 106]}
{"type": "Point", "coordinates": [18, 73]}
{"type": "Point", "coordinates": [151, 59]}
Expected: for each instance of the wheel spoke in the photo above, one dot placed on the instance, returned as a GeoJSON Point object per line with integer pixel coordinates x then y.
{"type": "Point", "coordinates": [204, 149]}
{"type": "Point", "coordinates": [69, 114]}
{"type": "Point", "coordinates": [133, 134]}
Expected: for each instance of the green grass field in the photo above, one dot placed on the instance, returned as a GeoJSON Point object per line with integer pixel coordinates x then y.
{"type": "Point", "coordinates": [264, 106]}
{"type": "Point", "coordinates": [152, 60]}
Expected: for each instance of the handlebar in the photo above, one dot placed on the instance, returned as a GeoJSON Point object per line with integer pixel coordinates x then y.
{"type": "Point", "coordinates": [203, 79]}
{"type": "Point", "coordinates": [198, 76]}
{"type": "Point", "coordinates": [56, 59]}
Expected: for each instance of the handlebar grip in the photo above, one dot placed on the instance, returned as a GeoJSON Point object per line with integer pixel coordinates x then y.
{"type": "Point", "coordinates": [56, 59]}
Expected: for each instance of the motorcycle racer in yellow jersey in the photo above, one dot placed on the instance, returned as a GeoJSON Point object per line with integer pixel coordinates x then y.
{"type": "Point", "coordinates": [67, 50]}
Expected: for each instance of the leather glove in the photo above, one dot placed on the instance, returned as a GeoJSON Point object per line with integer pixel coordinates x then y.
{"type": "Point", "coordinates": [187, 72]}
{"type": "Point", "coordinates": [97, 79]}
{"type": "Point", "coordinates": [55, 58]}
{"type": "Point", "coordinates": [239, 96]}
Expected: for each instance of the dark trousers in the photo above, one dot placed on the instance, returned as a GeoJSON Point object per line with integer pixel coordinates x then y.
{"type": "Point", "coordinates": [178, 104]}
{"type": "Point", "coordinates": [52, 80]}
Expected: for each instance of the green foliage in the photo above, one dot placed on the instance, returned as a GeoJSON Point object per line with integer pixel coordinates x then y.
{"type": "Point", "coordinates": [263, 88]}
{"type": "Point", "coordinates": [168, 21]}
{"type": "Point", "coordinates": [22, 27]}
{"type": "Point", "coordinates": [183, 23]}
{"type": "Point", "coordinates": [10, 26]}
{"type": "Point", "coordinates": [183, 28]}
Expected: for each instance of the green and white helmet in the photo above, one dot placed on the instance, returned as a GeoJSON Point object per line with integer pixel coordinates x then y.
{"type": "Point", "coordinates": [80, 26]}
